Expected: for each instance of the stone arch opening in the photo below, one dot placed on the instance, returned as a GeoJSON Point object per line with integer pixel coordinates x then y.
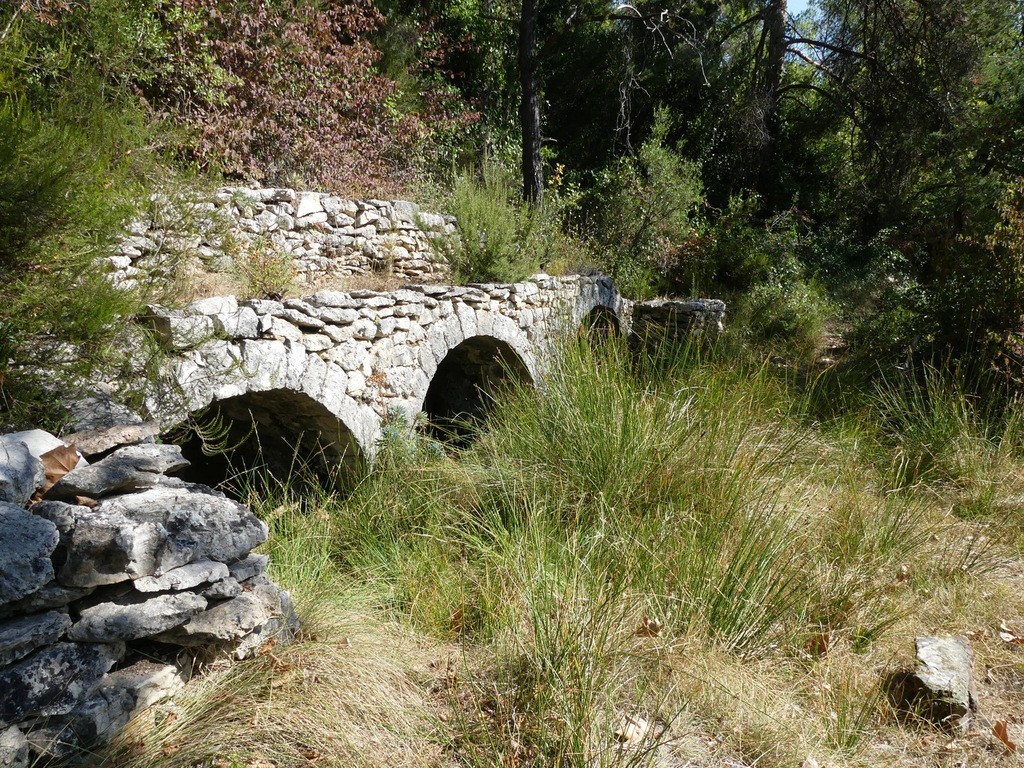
{"type": "Point", "coordinates": [279, 432]}
{"type": "Point", "coordinates": [601, 322]}
{"type": "Point", "coordinates": [466, 384]}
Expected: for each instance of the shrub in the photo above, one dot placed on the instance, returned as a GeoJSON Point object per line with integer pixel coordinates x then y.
{"type": "Point", "coordinates": [501, 238]}
{"type": "Point", "coordinates": [264, 271]}
{"type": "Point", "coordinates": [643, 212]}
{"type": "Point", "coordinates": [786, 317]}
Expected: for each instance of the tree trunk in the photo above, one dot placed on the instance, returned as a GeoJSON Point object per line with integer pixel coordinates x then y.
{"type": "Point", "coordinates": [529, 105]}
{"type": "Point", "coordinates": [771, 82]}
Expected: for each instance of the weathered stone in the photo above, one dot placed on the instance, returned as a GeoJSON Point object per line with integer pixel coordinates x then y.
{"type": "Point", "coordinates": [176, 330]}
{"type": "Point", "coordinates": [39, 442]}
{"type": "Point", "coordinates": [96, 441]}
{"type": "Point", "coordinates": [301, 319]}
{"type": "Point", "coordinates": [127, 469]}
{"type": "Point", "coordinates": [101, 411]}
{"type": "Point", "coordinates": [308, 203]}
{"type": "Point", "coordinates": [217, 305]}
{"type": "Point", "coordinates": [242, 323]}
{"type": "Point", "coordinates": [53, 680]}
{"type": "Point", "coordinates": [45, 598]}
{"type": "Point", "coordinates": [248, 567]}
{"type": "Point", "coordinates": [242, 623]}
{"type": "Point", "coordinates": [185, 577]}
{"type": "Point", "coordinates": [121, 696]}
{"type": "Point", "coordinates": [135, 615]}
{"type": "Point", "coordinates": [940, 688]}
{"type": "Point", "coordinates": [21, 473]}
{"type": "Point", "coordinates": [335, 299]}
{"type": "Point", "coordinates": [222, 590]}
{"type": "Point", "coordinates": [154, 531]}
{"type": "Point", "coordinates": [19, 637]}
{"type": "Point", "coordinates": [14, 749]}
{"type": "Point", "coordinates": [26, 542]}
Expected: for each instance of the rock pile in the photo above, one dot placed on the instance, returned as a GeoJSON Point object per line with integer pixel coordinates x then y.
{"type": "Point", "coordinates": [107, 572]}
{"type": "Point", "coordinates": [325, 235]}
{"type": "Point", "coordinates": [667, 320]}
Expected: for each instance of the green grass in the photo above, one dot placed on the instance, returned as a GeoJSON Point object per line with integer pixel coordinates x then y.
{"type": "Point", "coordinates": [673, 540]}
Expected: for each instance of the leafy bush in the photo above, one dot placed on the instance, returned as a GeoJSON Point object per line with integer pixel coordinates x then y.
{"type": "Point", "coordinates": [264, 271]}
{"type": "Point", "coordinates": [785, 316]}
{"type": "Point", "coordinates": [501, 239]}
{"type": "Point", "coordinates": [644, 208]}
{"type": "Point", "coordinates": [61, 200]}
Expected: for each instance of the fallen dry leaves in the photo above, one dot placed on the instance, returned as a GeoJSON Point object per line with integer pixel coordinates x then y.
{"type": "Point", "coordinates": [649, 627]}
{"type": "Point", "coordinates": [999, 730]}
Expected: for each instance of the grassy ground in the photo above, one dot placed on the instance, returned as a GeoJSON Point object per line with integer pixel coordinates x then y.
{"type": "Point", "coordinates": [693, 562]}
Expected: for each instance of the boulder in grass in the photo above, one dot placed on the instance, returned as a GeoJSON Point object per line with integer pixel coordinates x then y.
{"type": "Point", "coordinates": [940, 689]}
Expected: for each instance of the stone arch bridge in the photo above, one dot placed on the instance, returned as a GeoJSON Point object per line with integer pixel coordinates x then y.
{"type": "Point", "coordinates": [338, 365]}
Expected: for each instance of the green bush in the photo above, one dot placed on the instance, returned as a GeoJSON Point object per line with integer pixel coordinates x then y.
{"type": "Point", "coordinates": [501, 239]}
{"type": "Point", "coordinates": [643, 213]}
{"type": "Point", "coordinates": [786, 317]}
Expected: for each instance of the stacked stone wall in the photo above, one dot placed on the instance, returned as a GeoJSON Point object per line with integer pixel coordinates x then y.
{"type": "Point", "coordinates": [326, 236]}
{"type": "Point", "coordinates": [114, 578]}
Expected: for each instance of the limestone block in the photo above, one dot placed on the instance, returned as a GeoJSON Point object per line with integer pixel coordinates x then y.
{"type": "Point", "coordinates": [248, 567]}
{"type": "Point", "coordinates": [242, 323]}
{"type": "Point", "coordinates": [308, 203]}
{"type": "Point", "coordinates": [19, 637]}
{"type": "Point", "coordinates": [126, 469]}
{"type": "Point", "coordinates": [39, 442]}
{"type": "Point", "coordinates": [45, 598]}
{"type": "Point", "coordinates": [364, 329]}
{"type": "Point", "coordinates": [53, 680]}
{"type": "Point", "coordinates": [26, 542]}
{"type": "Point", "coordinates": [14, 749]}
{"type": "Point", "coordinates": [277, 195]}
{"type": "Point", "coordinates": [96, 441]}
{"type": "Point", "coordinates": [337, 316]}
{"type": "Point", "coordinates": [316, 342]}
{"type": "Point", "coordinates": [217, 305]}
{"type": "Point", "coordinates": [312, 220]}
{"type": "Point", "coordinates": [185, 577]}
{"type": "Point", "coordinates": [222, 590]}
{"type": "Point", "coordinates": [941, 687]}
{"type": "Point", "coordinates": [134, 616]}
{"type": "Point", "coordinates": [300, 318]}
{"type": "Point", "coordinates": [285, 330]}
{"type": "Point", "coordinates": [177, 330]}
{"type": "Point", "coordinates": [21, 473]}
{"type": "Point", "coordinates": [154, 531]}
{"type": "Point", "coordinates": [337, 334]}
{"type": "Point", "coordinates": [264, 610]}
{"type": "Point", "coordinates": [121, 696]}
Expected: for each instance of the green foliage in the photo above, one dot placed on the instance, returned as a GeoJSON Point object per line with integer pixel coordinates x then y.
{"type": "Point", "coordinates": [264, 271]}
{"type": "Point", "coordinates": [785, 316]}
{"type": "Point", "coordinates": [644, 208]}
{"type": "Point", "coordinates": [501, 238]}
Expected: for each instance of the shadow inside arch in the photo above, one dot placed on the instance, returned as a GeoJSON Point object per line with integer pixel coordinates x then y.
{"type": "Point", "coordinates": [468, 381]}
{"type": "Point", "coordinates": [279, 437]}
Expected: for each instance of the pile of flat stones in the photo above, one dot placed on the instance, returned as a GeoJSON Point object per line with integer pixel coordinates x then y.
{"type": "Point", "coordinates": [668, 320]}
{"type": "Point", "coordinates": [114, 581]}
{"type": "Point", "coordinates": [325, 235]}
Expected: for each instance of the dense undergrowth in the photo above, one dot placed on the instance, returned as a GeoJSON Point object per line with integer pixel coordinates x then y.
{"type": "Point", "coordinates": [640, 562]}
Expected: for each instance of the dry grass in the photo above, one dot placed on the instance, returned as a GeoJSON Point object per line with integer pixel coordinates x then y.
{"type": "Point", "coordinates": [519, 599]}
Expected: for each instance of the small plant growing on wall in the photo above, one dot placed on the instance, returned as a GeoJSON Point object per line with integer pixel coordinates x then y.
{"type": "Point", "coordinates": [264, 271]}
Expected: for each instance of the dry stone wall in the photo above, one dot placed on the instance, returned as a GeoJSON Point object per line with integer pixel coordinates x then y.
{"type": "Point", "coordinates": [326, 236]}
{"type": "Point", "coordinates": [112, 580]}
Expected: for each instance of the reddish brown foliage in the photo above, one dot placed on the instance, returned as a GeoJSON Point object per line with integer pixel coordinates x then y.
{"type": "Point", "coordinates": [300, 100]}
